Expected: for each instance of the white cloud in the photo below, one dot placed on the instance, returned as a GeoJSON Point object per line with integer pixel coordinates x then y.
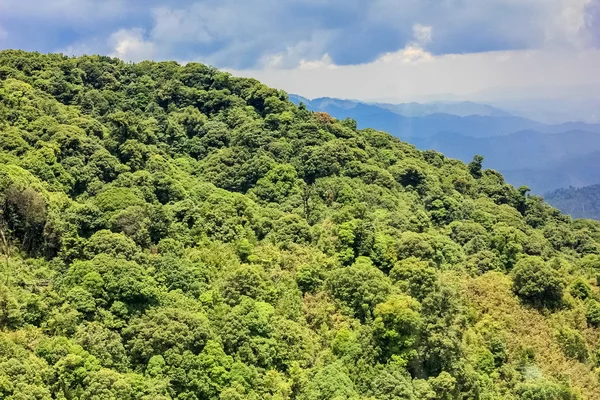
{"type": "Point", "coordinates": [284, 33]}
{"type": "Point", "coordinates": [177, 25]}
{"type": "Point", "coordinates": [324, 62]}
{"type": "Point", "coordinates": [208, 21]}
{"type": "Point", "coordinates": [307, 54]}
{"type": "Point", "coordinates": [565, 23]}
{"type": "Point", "coordinates": [520, 23]}
{"type": "Point", "coordinates": [130, 45]}
{"type": "Point", "coordinates": [413, 52]}
{"type": "Point", "coordinates": [422, 33]}
{"type": "Point", "coordinates": [520, 73]}
{"type": "Point", "coordinates": [409, 54]}
{"type": "Point", "coordinates": [399, 48]}
{"type": "Point", "coordinates": [272, 61]}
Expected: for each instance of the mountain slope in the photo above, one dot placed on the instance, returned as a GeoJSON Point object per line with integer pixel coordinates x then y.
{"type": "Point", "coordinates": [581, 202]}
{"type": "Point", "coordinates": [526, 149]}
{"type": "Point", "coordinates": [174, 232]}
{"type": "Point", "coordinates": [571, 171]}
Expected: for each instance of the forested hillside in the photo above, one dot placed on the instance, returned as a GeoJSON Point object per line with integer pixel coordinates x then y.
{"type": "Point", "coordinates": [543, 157]}
{"type": "Point", "coordinates": [577, 202]}
{"type": "Point", "coordinates": [174, 232]}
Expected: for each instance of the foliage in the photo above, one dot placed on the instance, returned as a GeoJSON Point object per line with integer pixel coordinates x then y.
{"type": "Point", "coordinates": [537, 283]}
{"type": "Point", "coordinates": [175, 232]}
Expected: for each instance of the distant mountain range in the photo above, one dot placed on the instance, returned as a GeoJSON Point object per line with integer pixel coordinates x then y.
{"type": "Point", "coordinates": [461, 109]}
{"type": "Point", "coordinates": [382, 117]}
{"type": "Point", "coordinates": [542, 156]}
{"type": "Point", "coordinates": [525, 149]}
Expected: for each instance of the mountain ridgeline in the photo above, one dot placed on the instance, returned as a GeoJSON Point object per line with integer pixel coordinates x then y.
{"type": "Point", "coordinates": [406, 121]}
{"type": "Point", "coordinates": [174, 232]}
{"type": "Point", "coordinates": [541, 156]}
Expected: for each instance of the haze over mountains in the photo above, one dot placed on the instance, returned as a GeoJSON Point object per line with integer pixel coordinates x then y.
{"type": "Point", "coordinates": [414, 119]}
{"type": "Point", "coordinates": [462, 109]}
{"type": "Point", "coordinates": [528, 152]}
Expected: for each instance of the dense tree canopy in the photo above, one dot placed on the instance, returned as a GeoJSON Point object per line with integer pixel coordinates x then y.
{"type": "Point", "coordinates": [174, 232]}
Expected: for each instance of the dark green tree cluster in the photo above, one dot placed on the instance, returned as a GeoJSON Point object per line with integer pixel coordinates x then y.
{"type": "Point", "coordinates": [175, 232]}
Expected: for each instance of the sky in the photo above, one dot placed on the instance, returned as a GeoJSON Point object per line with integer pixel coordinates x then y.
{"type": "Point", "coordinates": [392, 50]}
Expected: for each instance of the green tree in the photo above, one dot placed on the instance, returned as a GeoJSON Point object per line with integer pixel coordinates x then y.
{"type": "Point", "coordinates": [162, 329]}
{"type": "Point", "coordinates": [397, 326]}
{"type": "Point", "coordinates": [359, 287]}
{"type": "Point", "coordinates": [329, 383]}
{"type": "Point", "coordinates": [580, 289]}
{"type": "Point", "coordinates": [537, 283]}
{"type": "Point", "coordinates": [475, 167]}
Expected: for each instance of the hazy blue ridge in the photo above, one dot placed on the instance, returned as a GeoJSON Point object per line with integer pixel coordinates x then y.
{"type": "Point", "coordinates": [381, 118]}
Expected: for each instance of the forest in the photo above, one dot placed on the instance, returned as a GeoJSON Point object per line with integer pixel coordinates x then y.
{"type": "Point", "coordinates": [578, 202]}
{"type": "Point", "coordinates": [174, 232]}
